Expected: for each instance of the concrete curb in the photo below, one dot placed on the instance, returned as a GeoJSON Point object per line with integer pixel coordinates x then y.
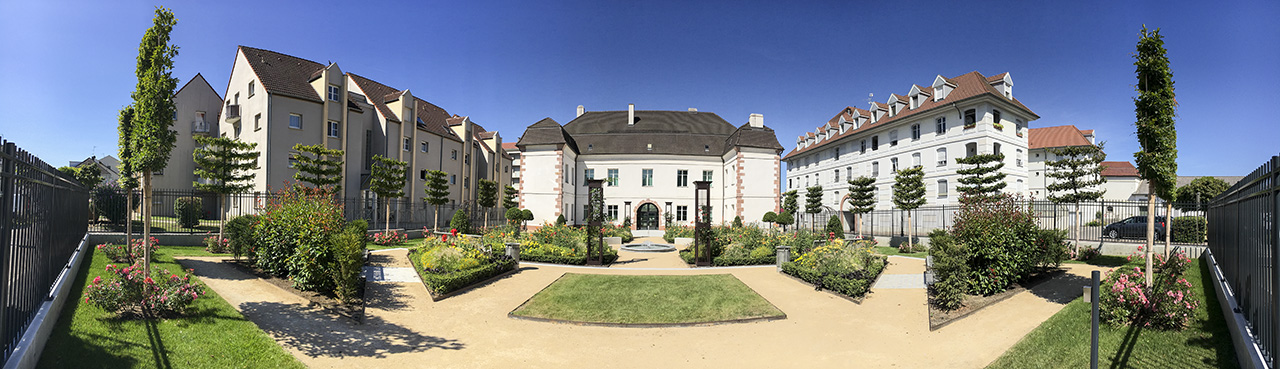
{"type": "Point", "coordinates": [1248, 354]}
{"type": "Point", "coordinates": [27, 352]}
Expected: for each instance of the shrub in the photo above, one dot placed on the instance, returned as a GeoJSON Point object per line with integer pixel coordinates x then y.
{"type": "Point", "coordinates": [999, 233]}
{"type": "Point", "coordinates": [737, 221]}
{"type": "Point", "coordinates": [293, 236]}
{"type": "Point", "coordinates": [188, 210]}
{"type": "Point", "coordinates": [1050, 248]}
{"type": "Point", "coordinates": [560, 220]}
{"type": "Point", "coordinates": [1169, 303]}
{"type": "Point", "coordinates": [846, 268]}
{"type": "Point", "coordinates": [109, 202]}
{"type": "Point", "coordinates": [239, 232]}
{"type": "Point", "coordinates": [674, 232]}
{"type": "Point", "coordinates": [898, 242]}
{"type": "Point", "coordinates": [216, 245]}
{"type": "Point", "coordinates": [623, 231]}
{"type": "Point", "coordinates": [460, 222]}
{"type": "Point", "coordinates": [528, 215]}
{"type": "Point", "coordinates": [1189, 229]}
{"type": "Point", "coordinates": [626, 222]}
{"type": "Point", "coordinates": [128, 254]}
{"type": "Point", "coordinates": [130, 289]}
{"type": "Point", "coordinates": [348, 250]}
{"type": "Point", "coordinates": [1093, 223]}
{"type": "Point", "coordinates": [834, 227]}
{"type": "Point", "coordinates": [1083, 253]}
{"type": "Point", "coordinates": [388, 238]}
{"type": "Point", "coordinates": [443, 283]}
{"type": "Point", "coordinates": [514, 216]}
{"type": "Point", "coordinates": [769, 217]}
{"type": "Point", "coordinates": [950, 270]}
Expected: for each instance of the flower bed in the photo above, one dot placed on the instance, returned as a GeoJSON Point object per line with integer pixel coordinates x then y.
{"type": "Point", "coordinates": [750, 245]}
{"type": "Point", "coordinates": [388, 238]}
{"type": "Point", "coordinates": [1169, 303]}
{"type": "Point", "coordinates": [846, 268]}
{"type": "Point", "coordinates": [560, 244]}
{"type": "Point", "coordinates": [130, 290]}
{"type": "Point", "coordinates": [450, 264]}
{"type": "Point", "coordinates": [128, 254]}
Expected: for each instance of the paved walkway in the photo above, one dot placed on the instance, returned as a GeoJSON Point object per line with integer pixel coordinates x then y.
{"type": "Point", "coordinates": [404, 328]}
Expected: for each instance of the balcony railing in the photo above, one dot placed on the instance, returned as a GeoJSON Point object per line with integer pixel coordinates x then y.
{"type": "Point", "coordinates": [199, 126]}
{"type": "Point", "coordinates": [233, 113]}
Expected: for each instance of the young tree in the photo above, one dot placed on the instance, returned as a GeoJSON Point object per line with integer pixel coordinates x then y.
{"type": "Point", "coordinates": [1196, 195]}
{"type": "Point", "coordinates": [862, 193]}
{"type": "Point", "coordinates": [813, 203]}
{"type": "Point", "coordinates": [89, 176]}
{"type": "Point", "coordinates": [834, 228]}
{"type": "Point", "coordinates": [227, 164]}
{"type": "Point", "coordinates": [128, 177]}
{"type": "Point", "coordinates": [784, 218]}
{"type": "Point", "coordinates": [769, 217]}
{"type": "Point", "coordinates": [486, 196]}
{"type": "Point", "coordinates": [318, 166]}
{"type": "Point", "coordinates": [1154, 107]}
{"type": "Point", "coordinates": [514, 216]}
{"type": "Point", "coordinates": [528, 215]}
{"type": "Point", "coordinates": [983, 181]}
{"type": "Point", "coordinates": [387, 179]}
{"type": "Point", "coordinates": [437, 192]}
{"type": "Point", "coordinates": [908, 194]}
{"type": "Point", "coordinates": [150, 138]}
{"type": "Point", "coordinates": [509, 197]}
{"type": "Point", "coordinates": [789, 201]}
{"type": "Point", "coordinates": [1077, 175]}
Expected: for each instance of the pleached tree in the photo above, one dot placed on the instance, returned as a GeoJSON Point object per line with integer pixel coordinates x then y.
{"type": "Point", "coordinates": [908, 195]}
{"type": "Point", "coordinates": [437, 191]}
{"type": "Point", "coordinates": [861, 199]}
{"type": "Point", "coordinates": [387, 180]}
{"type": "Point", "coordinates": [227, 166]}
{"type": "Point", "coordinates": [128, 177]}
{"type": "Point", "coordinates": [318, 166]}
{"type": "Point", "coordinates": [487, 197]}
{"type": "Point", "coordinates": [1077, 176]}
{"type": "Point", "coordinates": [1155, 110]}
{"type": "Point", "coordinates": [151, 138]}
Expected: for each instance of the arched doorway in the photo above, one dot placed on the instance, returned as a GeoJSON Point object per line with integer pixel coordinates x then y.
{"type": "Point", "coordinates": [647, 216]}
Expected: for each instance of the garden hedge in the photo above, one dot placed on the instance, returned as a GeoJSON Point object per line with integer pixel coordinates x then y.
{"type": "Point", "coordinates": [609, 258]}
{"type": "Point", "coordinates": [852, 287]}
{"type": "Point", "coordinates": [442, 284]}
{"type": "Point", "coordinates": [188, 210]}
{"type": "Point", "coordinates": [1189, 229]}
{"type": "Point", "coordinates": [687, 256]}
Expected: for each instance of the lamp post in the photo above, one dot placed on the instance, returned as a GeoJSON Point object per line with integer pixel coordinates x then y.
{"type": "Point", "coordinates": [702, 223]}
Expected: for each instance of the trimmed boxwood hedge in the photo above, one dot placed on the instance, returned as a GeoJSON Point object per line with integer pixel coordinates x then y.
{"type": "Point", "coordinates": [1189, 229]}
{"type": "Point", "coordinates": [852, 287]}
{"type": "Point", "coordinates": [609, 258]}
{"type": "Point", "coordinates": [441, 284]}
{"type": "Point", "coordinates": [687, 256]}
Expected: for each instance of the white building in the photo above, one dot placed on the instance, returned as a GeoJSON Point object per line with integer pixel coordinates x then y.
{"type": "Point", "coordinates": [1041, 141]}
{"type": "Point", "coordinates": [930, 126]}
{"type": "Point", "coordinates": [649, 160]}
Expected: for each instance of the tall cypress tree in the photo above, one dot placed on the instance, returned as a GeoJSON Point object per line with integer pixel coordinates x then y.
{"type": "Point", "coordinates": [387, 179]}
{"type": "Point", "coordinates": [908, 194]}
{"type": "Point", "coordinates": [151, 138]}
{"type": "Point", "coordinates": [437, 192]}
{"type": "Point", "coordinates": [1078, 175]}
{"type": "Point", "coordinates": [862, 193]}
{"type": "Point", "coordinates": [318, 166]}
{"type": "Point", "coordinates": [813, 203]}
{"type": "Point", "coordinates": [1154, 108]}
{"type": "Point", "coordinates": [983, 180]}
{"type": "Point", "coordinates": [227, 164]}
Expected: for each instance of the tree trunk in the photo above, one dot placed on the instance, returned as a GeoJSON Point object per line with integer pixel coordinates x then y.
{"type": "Point", "coordinates": [128, 217]}
{"type": "Point", "coordinates": [436, 223]}
{"type": "Point", "coordinates": [1168, 227]}
{"type": "Point", "coordinates": [222, 217]}
{"type": "Point", "coordinates": [857, 221]}
{"type": "Point", "coordinates": [486, 218]}
{"type": "Point", "coordinates": [146, 223]}
{"type": "Point", "coordinates": [1076, 246]}
{"type": "Point", "coordinates": [386, 220]}
{"type": "Point", "coordinates": [912, 234]}
{"type": "Point", "coordinates": [1151, 233]}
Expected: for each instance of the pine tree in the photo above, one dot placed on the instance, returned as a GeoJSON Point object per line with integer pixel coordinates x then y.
{"type": "Point", "coordinates": [387, 178]}
{"type": "Point", "coordinates": [509, 197]}
{"type": "Point", "coordinates": [1154, 107]}
{"type": "Point", "coordinates": [227, 165]}
{"type": "Point", "coordinates": [318, 166]}
{"type": "Point", "coordinates": [1076, 175]}
{"type": "Point", "coordinates": [908, 195]}
{"type": "Point", "coordinates": [862, 199]}
{"type": "Point", "coordinates": [983, 181]}
{"type": "Point", "coordinates": [813, 203]}
{"type": "Point", "coordinates": [486, 196]}
{"type": "Point", "coordinates": [437, 192]}
{"type": "Point", "coordinates": [151, 138]}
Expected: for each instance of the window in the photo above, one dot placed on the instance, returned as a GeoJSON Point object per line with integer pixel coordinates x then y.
{"type": "Point", "coordinates": [837, 176]}
{"type": "Point", "coordinates": [915, 160]}
{"type": "Point", "coordinates": [875, 169]}
{"type": "Point", "coordinates": [706, 175]}
{"type": "Point", "coordinates": [864, 147]}
{"type": "Point", "coordinates": [422, 174]}
{"type": "Point", "coordinates": [454, 155]}
{"type": "Point", "coordinates": [1018, 158]}
{"type": "Point", "coordinates": [293, 162]}
{"type": "Point", "coordinates": [941, 125]}
{"type": "Point", "coordinates": [848, 173]}
{"type": "Point", "coordinates": [893, 163]}
{"type": "Point", "coordinates": [453, 178]}
{"type": "Point", "coordinates": [407, 144]}
{"type": "Point", "coordinates": [467, 159]}
{"type": "Point", "coordinates": [1017, 187]}
{"type": "Point", "coordinates": [250, 88]}
{"type": "Point", "coordinates": [915, 132]}
{"type": "Point", "coordinates": [942, 188]}
{"type": "Point", "coordinates": [646, 177]}
{"type": "Point", "coordinates": [837, 153]}
{"type": "Point", "coordinates": [806, 181]}
{"type": "Point", "coordinates": [613, 177]}
{"type": "Point", "coordinates": [682, 178]}
{"type": "Point", "coordinates": [791, 183]}
{"type": "Point", "coordinates": [333, 129]}
{"type": "Point", "coordinates": [942, 157]}
{"type": "Point", "coordinates": [875, 143]}
{"type": "Point", "coordinates": [424, 146]}
{"type": "Point", "coordinates": [995, 116]}
{"type": "Point", "coordinates": [589, 174]}
{"type": "Point", "coordinates": [237, 126]}
{"type": "Point", "coordinates": [817, 178]}
{"type": "Point", "coordinates": [334, 92]}
{"type": "Point", "coordinates": [257, 122]}
{"type": "Point", "coordinates": [893, 138]}
{"type": "Point", "coordinates": [682, 213]}
{"type": "Point", "coordinates": [970, 149]}
{"type": "Point", "coordinates": [995, 148]}
{"type": "Point", "coordinates": [613, 212]}
{"type": "Point", "coordinates": [466, 182]}
{"type": "Point", "coordinates": [295, 121]}
{"type": "Point", "coordinates": [970, 117]}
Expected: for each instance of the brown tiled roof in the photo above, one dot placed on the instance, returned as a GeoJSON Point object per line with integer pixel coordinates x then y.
{"type": "Point", "coordinates": [1118, 169]}
{"type": "Point", "coordinates": [431, 118]}
{"type": "Point", "coordinates": [925, 90]}
{"type": "Point", "coordinates": [997, 77]}
{"type": "Point", "coordinates": [282, 74]}
{"type": "Point", "coordinates": [545, 132]}
{"type": "Point", "coordinates": [1060, 136]}
{"type": "Point", "coordinates": [748, 136]}
{"type": "Point", "coordinates": [968, 85]}
{"type": "Point", "coordinates": [1086, 132]}
{"type": "Point", "coordinates": [485, 135]}
{"type": "Point", "coordinates": [899, 97]}
{"type": "Point", "coordinates": [509, 146]}
{"type": "Point", "coordinates": [377, 92]}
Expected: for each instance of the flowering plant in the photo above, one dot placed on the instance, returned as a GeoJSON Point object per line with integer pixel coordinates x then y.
{"type": "Point", "coordinates": [128, 254]}
{"type": "Point", "coordinates": [1169, 303]}
{"type": "Point", "coordinates": [130, 289]}
{"type": "Point", "coordinates": [216, 245]}
{"type": "Point", "coordinates": [389, 238]}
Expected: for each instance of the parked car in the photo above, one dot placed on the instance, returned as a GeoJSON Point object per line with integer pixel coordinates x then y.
{"type": "Point", "coordinates": [1133, 227]}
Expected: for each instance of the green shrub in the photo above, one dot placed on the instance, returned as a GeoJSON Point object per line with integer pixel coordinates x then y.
{"type": "Point", "coordinates": [674, 232]}
{"type": "Point", "coordinates": [443, 283]}
{"type": "Point", "coordinates": [1093, 223]}
{"type": "Point", "coordinates": [514, 216]}
{"type": "Point", "coordinates": [1169, 303]}
{"type": "Point", "coordinates": [737, 221]}
{"type": "Point", "coordinates": [293, 235]}
{"type": "Point", "coordinates": [1051, 248]}
{"type": "Point", "coordinates": [950, 270]}
{"type": "Point", "coordinates": [460, 222]}
{"type": "Point", "coordinates": [560, 220]}
{"type": "Point", "coordinates": [769, 217]}
{"type": "Point", "coordinates": [188, 210]}
{"type": "Point", "coordinates": [999, 233]}
{"type": "Point", "coordinates": [898, 242]}
{"type": "Point", "coordinates": [1189, 229]}
{"type": "Point", "coordinates": [348, 251]}
{"type": "Point", "coordinates": [834, 227]}
{"type": "Point", "coordinates": [626, 222]}
{"type": "Point", "coordinates": [240, 234]}
{"type": "Point", "coordinates": [109, 202]}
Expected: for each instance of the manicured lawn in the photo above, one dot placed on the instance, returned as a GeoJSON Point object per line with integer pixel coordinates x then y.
{"type": "Point", "coordinates": [887, 250]}
{"type": "Point", "coordinates": [1103, 260]}
{"type": "Point", "coordinates": [171, 251]}
{"type": "Point", "coordinates": [407, 244]}
{"type": "Point", "coordinates": [649, 299]}
{"type": "Point", "coordinates": [1063, 340]}
{"type": "Point", "coordinates": [213, 335]}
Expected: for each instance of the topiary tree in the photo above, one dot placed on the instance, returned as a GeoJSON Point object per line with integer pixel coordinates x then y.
{"type": "Point", "coordinates": [460, 222]}
{"type": "Point", "coordinates": [509, 197]}
{"type": "Point", "coordinates": [88, 176]}
{"type": "Point", "coordinates": [151, 138]}
{"type": "Point", "coordinates": [813, 204]}
{"type": "Point", "coordinates": [387, 180]}
{"type": "Point", "coordinates": [560, 220]}
{"type": "Point", "coordinates": [862, 199]}
{"type": "Point", "coordinates": [834, 228]}
{"type": "Point", "coordinates": [437, 193]}
{"type": "Point", "coordinates": [319, 166]}
{"type": "Point", "coordinates": [769, 217]}
{"type": "Point", "coordinates": [908, 195]}
{"type": "Point", "coordinates": [188, 210]}
{"type": "Point", "coordinates": [1078, 175]}
{"type": "Point", "coordinates": [1154, 107]}
{"type": "Point", "coordinates": [1196, 195]}
{"type": "Point", "coordinates": [737, 221]}
{"type": "Point", "coordinates": [983, 180]}
{"type": "Point", "coordinates": [789, 201]}
{"type": "Point", "coordinates": [514, 216]}
{"type": "Point", "coordinates": [487, 197]}
{"type": "Point", "coordinates": [226, 165]}
{"type": "Point", "coordinates": [784, 218]}
{"type": "Point", "coordinates": [528, 215]}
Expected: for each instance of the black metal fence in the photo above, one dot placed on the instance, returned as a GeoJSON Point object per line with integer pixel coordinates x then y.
{"type": "Point", "coordinates": [1243, 238]}
{"type": "Point", "coordinates": [42, 220]}
{"type": "Point", "coordinates": [110, 205]}
{"type": "Point", "coordinates": [1094, 218]}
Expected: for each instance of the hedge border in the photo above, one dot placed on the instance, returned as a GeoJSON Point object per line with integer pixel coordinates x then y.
{"type": "Point", "coordinates": [791, 270]}
{"type": "Point", "coordinates": [472, 278]}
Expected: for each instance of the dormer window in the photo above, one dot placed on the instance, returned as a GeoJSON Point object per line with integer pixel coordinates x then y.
{"type": "Point", "coordinates": [915, 101]}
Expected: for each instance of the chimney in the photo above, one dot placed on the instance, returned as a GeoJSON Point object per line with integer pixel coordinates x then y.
{"type": "Point", "coordinates": [756, 120]}
{"type": "Point", "coordinates": [631, 114]}
{"type": "Point", "coordinates": [693, 110]}
{"type": "Point", "coordinates": [581, 109]}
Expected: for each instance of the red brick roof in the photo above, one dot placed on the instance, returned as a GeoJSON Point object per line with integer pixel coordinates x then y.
{"type": "Point", "coordinates": [968, 85]}
{"type": "Point", "coordinates": [506, 146]}
{"type": "Point", "coordinates": [1118, 169]}
{"type": "Point", "coordinates": [1060, 136]}
{"type": "Point", "coordinates": [1086, 132]}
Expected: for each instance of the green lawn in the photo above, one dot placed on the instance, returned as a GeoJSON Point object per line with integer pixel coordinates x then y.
{"type": "Point", "coordinates": [648, 299]}
{"type": "Point", "coordinates": [886, 250]}
{"type": "Point", "coordinates": [1102, 260]}
{"type": "Point", "coordinates": [1063, 340]}
{"type": "Point", "coordinates": [163, 225]}
{"type": "Point", "coordinates": [407, 244]}
{"type": "Point", "coordinates": [172, 251]}
{"type": "Point", "coordinates": [213, 335]}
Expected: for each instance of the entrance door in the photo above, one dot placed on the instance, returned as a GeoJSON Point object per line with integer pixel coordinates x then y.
{"type": "Point", "coordinates": [647, 216]}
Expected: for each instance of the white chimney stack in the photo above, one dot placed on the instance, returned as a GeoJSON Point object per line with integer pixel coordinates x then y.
{"type": "Point", "coordinates": [631, 114]}
{"type": "Point", "coordinates": [756, 120]}
{"type": "Point", "coordinates": [693, 110]}
{"type": "Point", "coordinates": [581, 109]}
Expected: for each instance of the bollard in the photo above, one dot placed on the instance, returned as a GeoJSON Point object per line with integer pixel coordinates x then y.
{"type": "Point", "coordinates": [1093, 295]}
{"type": "Point", "coordinates": [784, 255]}
{"type": "Point", "coordinates": [513, 250]}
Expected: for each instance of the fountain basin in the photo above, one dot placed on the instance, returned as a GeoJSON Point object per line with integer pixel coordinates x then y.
{"type": "Point", "coordinates": [648, 247]}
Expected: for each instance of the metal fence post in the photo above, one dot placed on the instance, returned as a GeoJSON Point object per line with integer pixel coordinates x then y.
{"type": "Point", "coordinates": [6, 237]}
{"type": "Point", "coordinates": [1093, 294]}
{"type": "Point", "coordinates": [1275, 259]}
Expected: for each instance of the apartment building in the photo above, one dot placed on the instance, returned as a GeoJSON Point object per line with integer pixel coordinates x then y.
{"type": "Point", "coordinates": [278, 101]}
{"type": "Point", "coordinates": [929, 126]}
{"type": "Point", "coordinates": [1041, 142]}
{"type": "Point", "coordinates": [198, 108]}
{"type": "Point", "coordinates": [514, 152]}
{"type": "Point", "coordinates": [650, 160]}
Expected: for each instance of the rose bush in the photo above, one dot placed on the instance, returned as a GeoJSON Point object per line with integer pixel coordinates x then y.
{"type": "Point", "coordinates": [1168, 304]}
{"type": "Point", "coordinates": [131, 290]}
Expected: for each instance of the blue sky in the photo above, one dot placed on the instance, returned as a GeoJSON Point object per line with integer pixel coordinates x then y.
{"type": "Point", "coordinates": [67, 67]}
